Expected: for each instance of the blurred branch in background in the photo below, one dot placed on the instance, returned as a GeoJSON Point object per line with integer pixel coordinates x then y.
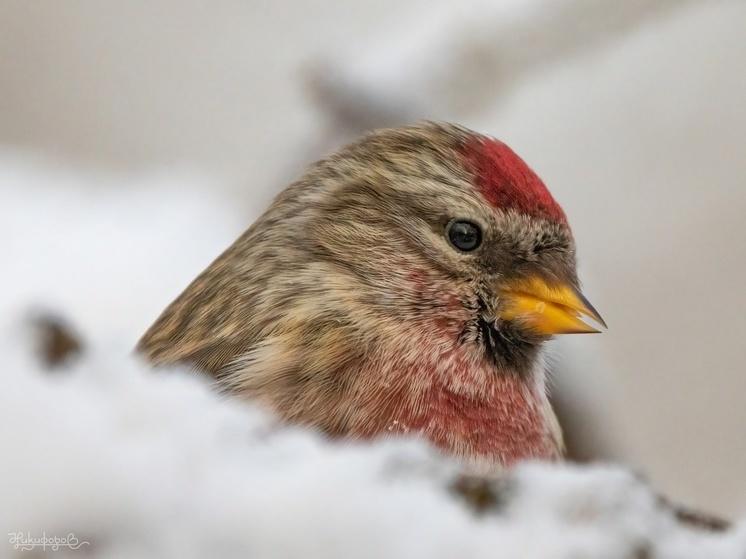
{"type": "Point", "coordinates": [461, 62]}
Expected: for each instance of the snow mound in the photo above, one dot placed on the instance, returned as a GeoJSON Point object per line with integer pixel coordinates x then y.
{"type": "Point", "coordinates": [142, 463]}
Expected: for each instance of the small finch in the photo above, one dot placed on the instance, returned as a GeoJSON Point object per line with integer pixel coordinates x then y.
{"type": "Point", "coordinates": [405, 284]}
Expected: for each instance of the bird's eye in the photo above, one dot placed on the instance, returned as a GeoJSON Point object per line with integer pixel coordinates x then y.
{"type": "Point", "coordinates": [464, 235]}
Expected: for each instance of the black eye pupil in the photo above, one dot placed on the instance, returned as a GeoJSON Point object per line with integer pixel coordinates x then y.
{"type": "Point", "coordinates": [464, 235]}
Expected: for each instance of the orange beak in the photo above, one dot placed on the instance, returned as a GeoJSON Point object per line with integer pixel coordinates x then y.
{"type": "Point", "coordinates": [548, 309]}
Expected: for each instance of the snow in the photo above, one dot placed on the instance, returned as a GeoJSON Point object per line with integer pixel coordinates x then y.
{"type": "Point", "coordinates": [106, 252]}
{"type": "Point", "coordinates": [146, 464]}
{"type": "Point", "coordinates": [155, 464]}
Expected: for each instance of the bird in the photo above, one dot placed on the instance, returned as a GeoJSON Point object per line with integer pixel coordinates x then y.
{"type": "Point", "coordinates": [403, 286]}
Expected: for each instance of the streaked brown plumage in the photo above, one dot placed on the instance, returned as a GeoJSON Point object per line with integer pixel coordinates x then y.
{"type": "Point", "coordinates": [356, 303]}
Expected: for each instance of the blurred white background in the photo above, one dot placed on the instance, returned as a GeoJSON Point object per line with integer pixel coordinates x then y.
{"type": "Point", "coordinates": [632, 112]}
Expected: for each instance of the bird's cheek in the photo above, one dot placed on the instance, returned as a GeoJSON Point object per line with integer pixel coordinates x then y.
{"type": "Point", "coordinates": [447, 318]}
{"type": "Point", "coordinates": [449, 313]}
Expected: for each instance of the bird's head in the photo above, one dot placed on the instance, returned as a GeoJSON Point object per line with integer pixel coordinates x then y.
{"type": "Point", "coordinates": [438, 224]}
{"type": "Point", "coordinates": [409, 277]}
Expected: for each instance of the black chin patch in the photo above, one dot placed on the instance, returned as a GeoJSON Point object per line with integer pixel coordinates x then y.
{"type": "Point", "coordinates": [508, 346]}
